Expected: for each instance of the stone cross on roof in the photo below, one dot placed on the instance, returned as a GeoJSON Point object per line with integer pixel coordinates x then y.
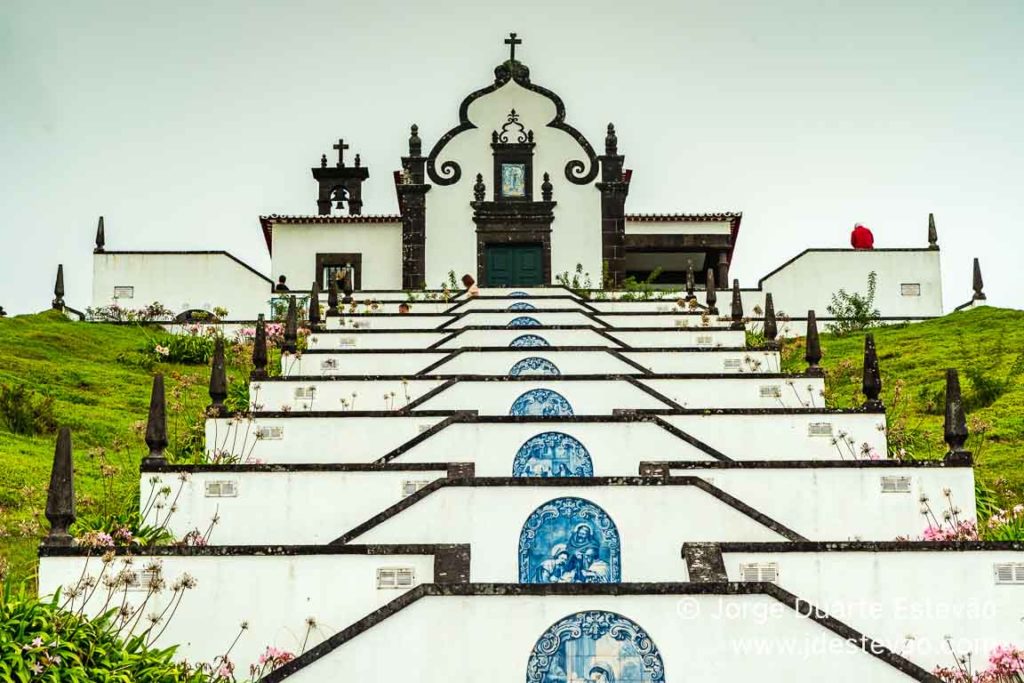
{"type": "Point", "coordinates": [512, 41]}
{"type": "Point", "coordinates": [341, 147]}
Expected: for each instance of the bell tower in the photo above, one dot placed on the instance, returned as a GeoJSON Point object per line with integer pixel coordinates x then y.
{"type": "Point", "coordinates": [340, 184]}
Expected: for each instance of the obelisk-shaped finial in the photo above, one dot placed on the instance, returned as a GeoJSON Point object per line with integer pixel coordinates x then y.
{"type": "Point", "coordinates": [955, 426]}
{"type": "Point", "coordinates": [314, 307]}
{"type": "Point", "coordinates": [101, 238]}
{"type": "Point", "coordinates": [259, 351]}
{"type": "Point", "coordinates": [60, 497]}
{"type": "Point", "coordinates": [871, 383]}
{"type": "Point", "coordinates": [156, 425]}
{"type": "Point", "coordinates": [933, 234]}
{"type": "Point", "coordinates": [332, 297]}
{"type": "Point", "coordinates": [813, 353]}
{"type": "Point", "coordinates": [218, 380]}
{"type": "Point", "coordinates": [58, 290]}
{"type": "Point", "coordinates": [771, 326]}
{"type": "Point", "coordinates": [737, 307]}
{"type": "Point", "coordinates": [711, 298]}
{"type": "Point", "coordinates": [690, 285]}
{"type": "Point", "coordinates": [979, 284]}
{"type": "Point", "coordinates": [290, 343]}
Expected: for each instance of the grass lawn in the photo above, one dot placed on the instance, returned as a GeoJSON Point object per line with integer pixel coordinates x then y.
{"type": "Point", "coordinates": [104, 402]}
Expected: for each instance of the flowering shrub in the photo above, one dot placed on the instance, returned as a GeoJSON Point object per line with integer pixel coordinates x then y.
{"type": "Point", "coordinates": [951, 527]}
{"type": "Point", "coordinates": [118, 314]}
{"type": "Point", "coordinates": [1005, 525]}
{"type": "Point", "coordinates": [1005, 665]}
{"type": "Point", "coordinates": [123, 529]}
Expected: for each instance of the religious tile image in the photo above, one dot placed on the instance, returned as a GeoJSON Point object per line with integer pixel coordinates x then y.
{"type": "Point", "coordinates": [552, 454]}
{"type": "Point", "coordinates": [569, 540]}
{"type": "Point", "coordinates": [513, 180]}
{"type": "Point", "coordinates": [541, 403]}
{"type": "Point", "coordinates": [598, 647]}
{"type": "Point", "coordinates": [524, 321]}
{"type": "Point", "coordinates": [519, 294]}
{"type": "Point", "coordinates": [530, 340]}
{"type": "Point", "coordinates": [534, 365]}
{"type": "Point", "coordinates": [522, 306]}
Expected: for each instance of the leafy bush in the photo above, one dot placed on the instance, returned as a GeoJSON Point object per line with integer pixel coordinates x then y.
{"type": "Point", "coordinates": [125, 528]}
{"type": "Point", "coordinates": [579, 282]}
{"type": "Point", "coordinates": [36, 635]}
{"type": "Point", "coordinates": [853, 312]}
{"type": "Point", "coordinates": [23, 411]}
{"type": "Point", "coordinates": [118, 314]}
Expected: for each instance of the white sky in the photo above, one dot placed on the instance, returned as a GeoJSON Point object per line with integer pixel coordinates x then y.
{"type": "Point", "coordinates": [183, 121]}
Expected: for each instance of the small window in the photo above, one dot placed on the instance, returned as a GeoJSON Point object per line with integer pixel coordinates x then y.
{"type": "Point", "coordinates": [396, 577]}
{"type": "Point", "coordinates": [226, 488]}
{"type": "Point", "coordinates": [1009, 573]}
{"type": "Point", "coordinates": [770, 391]}
{"type": "Point", "coordinates": [759, 571]}
{"type": "Point", "coordinates": [819, 429]}
{"type": "Point", "coordinates": [910, 289]}
{"type": "Point", "coordinates": [124, 292]}
{"type": "Point", "coordinates": [305, 393]}
{"type": "Point", "coordinates": [270, 433]}
{"type": "Point", "coordinates": [895, 484]}
{"type": "Point", "coordinates": [412, 486]}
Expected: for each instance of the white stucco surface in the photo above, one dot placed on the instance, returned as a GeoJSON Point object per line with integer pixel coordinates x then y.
{"type": "Point", "coordinates": [295, 247]}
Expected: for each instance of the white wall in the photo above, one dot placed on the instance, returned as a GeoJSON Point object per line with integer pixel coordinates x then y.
{"type": "Point", "coordinates": [369, 321]}
{"type": "Point", "coordinates": [809, 282]}
{"type": "Point", "coordinates": [542, 303]}
{"type": "Point", "coordinates": [708, 361]}
{"type": "Point", "coordinates": [357, 339]}
{"type": "Point", "coordinates": [295, 247]}
{"type": "Point", "coordinates": [180, 281]}
{"type": "Point", "coordinates": [394, 364]}
{"type": "Point", "coordinates": [576, 229]}
{"type": "Point", "coordinates": [273, 508]}
{"type": "Point", "coordinates": [772, 436]}
{"type": "Point", "coordinates": [490, 519]}
{"type": "Point", "coordinates": [385, 394]}
{"type": "Point", "coordinates": [275, 594]}
{"type": "Point", "coordinates": [587, 397]}
{"type": "Point", "coordinates": [927, 595]}
{"type": "Point", "coordinates": [742, 391]}
{"type": "Point", "coordinates": [700, 638]}
{"type": "Point", "coordinates": [568, 362]}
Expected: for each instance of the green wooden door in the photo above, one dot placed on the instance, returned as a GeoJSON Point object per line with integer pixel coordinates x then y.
{"type": "Point", "coordinates": [515, 265]}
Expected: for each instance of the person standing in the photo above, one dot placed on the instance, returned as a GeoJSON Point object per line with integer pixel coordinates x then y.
{"type": "Point", "coordinates": [281, 286]}
{"type": "Point", "coordinates": [470, 284]}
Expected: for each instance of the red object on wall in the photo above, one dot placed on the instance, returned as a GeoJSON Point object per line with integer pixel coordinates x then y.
{"type": "Point", "coordinates": [861, 238]}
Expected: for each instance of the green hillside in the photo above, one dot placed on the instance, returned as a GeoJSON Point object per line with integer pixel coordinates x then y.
{"type": "Point", "coordinates": [100, 389]}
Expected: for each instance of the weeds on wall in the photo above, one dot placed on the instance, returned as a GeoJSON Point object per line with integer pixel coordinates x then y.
{"type": "Point", "coordinates": [854, 311]}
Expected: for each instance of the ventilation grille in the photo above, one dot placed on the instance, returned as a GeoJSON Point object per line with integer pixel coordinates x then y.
{"type": "Point", "coordinates": [329, 364]}
{"type": "Point", "coordinates": [144, 581]}
{"type": "Point", "coordinates": [759, 571]}
{"type": "Point", "coordinates": [124, 292]}
{"type": "Point", "coordinates": [895, 484]}
{"type": "Point", "coordinates": [682, 322]}
{"type": "Point", "coordinates": [770, 391]}
{"type": "Point", "coordinates": [396, 577]}
{"type": "Point", "coordinates": [705, 340]}
{"type": "Point", "coordinates": [910, 289]}
{"type": "Point", "coordinates": [424, 427]}
{"type": "Point", "coordinates": [410, 487]}
{"type": "Point", "coordinates": [270, 433]}
{"type": "Point", "coordinates": [346, 342]}
{"type": "Point", "coordinates": [819, 429]}
{"type": "Point", "coordinates": [1009, 573]}
{"type": "Point", "coordinates": [226, 488]}
{"type": "Point", "coordinates": [732, 364]}
{"type": "Point", "coordinates": [305, 393]}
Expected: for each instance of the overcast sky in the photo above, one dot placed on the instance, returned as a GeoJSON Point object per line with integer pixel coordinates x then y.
{"type": "Point", "coordinates": [181, 122]}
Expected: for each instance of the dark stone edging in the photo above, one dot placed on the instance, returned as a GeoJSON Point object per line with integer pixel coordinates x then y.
{"type": "Point", "coordinates": [803, 464]}
{"type": "Point", "coordinates": [254, 550]}
{"type": "Point", "coordinates": [869, 546]}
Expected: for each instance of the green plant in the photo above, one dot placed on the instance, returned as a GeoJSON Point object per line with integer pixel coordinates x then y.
{"type": "Point", "coordinates": [125, 528]}
{"type": "Point", "coordinates": [578, 282]}
{"type": "Point", "coordinates": [639, 290]}
{"type": "Point", "coordinates": [854, 312]}
{"type": "Point", "coordinates": [23, 411]}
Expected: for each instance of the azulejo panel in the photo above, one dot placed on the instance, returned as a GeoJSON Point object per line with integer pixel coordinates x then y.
{"type": "Point", "coordinates": [524, 321]}
{"type": "Point", "coordinates": [597, 646]}
{"type": "Point", "coordinates": [569, 540]}
{"type": "Point", "coordinates": [529, 340]}
{"type": "Point", "coordinates": [541, 403]}
{"type": "Point", "coordinates": [519, 295]}
{"type": "Point", "coordinates": [552, 454]}
{"type": "Point", "coordinates": [522, 306]}
{"type": "Point", "coordinates": [534, 365]}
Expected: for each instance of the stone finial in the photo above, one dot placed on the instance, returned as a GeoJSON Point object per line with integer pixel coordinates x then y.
{"type": "Point", "coordinates": [690, 283]}
{"type": "Point", "coordinates": [737, 307]}
{"type": "Point", "coordinates": [711, 298]}
{"type": "Point", "coordinates": [546, 188]}
{"type": "Point", "coordinates": [872, 381]}
{"type": "Point", "coordinates": [259, 351]}
{"type": "Point", "coordinates": [771, 326]}
{"type": "Point", "coordinates": [58, 290]}
{"type": "Point", "coordinates": [323, 161]}
{"type": "Point", "coordinates": [933, 234]}
{"type": "Point", "coordinates": [290, 343]}
{"type": "Point", "coordinates": [332, 297]}
{"type": "Point", "coordinates": [955, 427]}
{"type": "Point", "coordinates": [611, 142]}
{"type": "Point", "coordinates": [101, 238]}
{"type": "Point", "coordinates": [218, 379]}
{"type": "Point", "coordinates": [415, 144]}
{"type": "Point", "coordinates": [60, 498]}
{"type": "Point", "coordinates": [479, 189]}
{"type": "Point", "coordinates": [313, 310]}
{"type": "Point", "coordinates": [156, 425]}
{"type": "Point", "coordinates": [347, 285]}
{"type": "Point", "coordinates": [979, 284]}
{"type": "Point", "coordinates": [359, 160]}
{"type": "Point", "coordinates": [813, 353]}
